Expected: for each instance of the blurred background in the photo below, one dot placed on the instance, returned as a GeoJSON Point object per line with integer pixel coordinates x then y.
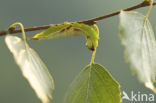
{"type": "Point", "coordinates": [65, 57]}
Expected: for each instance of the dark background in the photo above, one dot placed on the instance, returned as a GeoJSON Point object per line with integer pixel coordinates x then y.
{"type": "Point", "coordinates": [65, 57]}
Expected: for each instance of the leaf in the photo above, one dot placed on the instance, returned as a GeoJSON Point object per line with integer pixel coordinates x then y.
{"type": "Point", "coordinates": [90, 32]}
{"type": "Point", "coordinates": [93, 85]}
{"type": "Point", "coordinates": [138, 39]}
{"type": "Point", "coordinates": [32, 67]}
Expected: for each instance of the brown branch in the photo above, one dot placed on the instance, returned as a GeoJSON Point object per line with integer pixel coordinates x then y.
{"type": "Point", "coordinates": [88, 21]}
{"type": "Point", "coordinates": [143, 4]}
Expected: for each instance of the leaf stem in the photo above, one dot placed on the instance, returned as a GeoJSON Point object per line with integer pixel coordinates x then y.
{"type": "Point", "coordinates": [93, 57]}
{"type": "Point", "coordinates": [88, 21]}
{"type": "Point", "coordinates": [149, 9]}
{"type": "Point", "coordinates": [22, 30]}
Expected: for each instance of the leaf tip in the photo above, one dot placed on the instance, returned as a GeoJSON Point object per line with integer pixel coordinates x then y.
{"type": "Point", "coordinates": [150, 86]}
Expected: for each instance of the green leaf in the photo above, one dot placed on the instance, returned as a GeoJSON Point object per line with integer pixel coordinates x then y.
{"type": "Point", "coordinates": [32, 67]}
{"type": "Point", "coordinates": [138, 39]}
{"type": "Point", "coordinates": [90, 32]}
{"type": "Point", "coordinates": [93, 85]}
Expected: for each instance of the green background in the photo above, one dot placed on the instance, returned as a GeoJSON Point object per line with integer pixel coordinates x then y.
{"type": "Point", "coordinates": [65, 57]}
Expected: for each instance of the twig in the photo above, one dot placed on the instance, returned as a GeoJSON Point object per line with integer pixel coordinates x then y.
{"type": "Point", "coordinates": [88, 21]}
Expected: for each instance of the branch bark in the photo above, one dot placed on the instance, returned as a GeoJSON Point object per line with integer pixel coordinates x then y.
{"type": "Point", "coordinates": [88, 21]}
